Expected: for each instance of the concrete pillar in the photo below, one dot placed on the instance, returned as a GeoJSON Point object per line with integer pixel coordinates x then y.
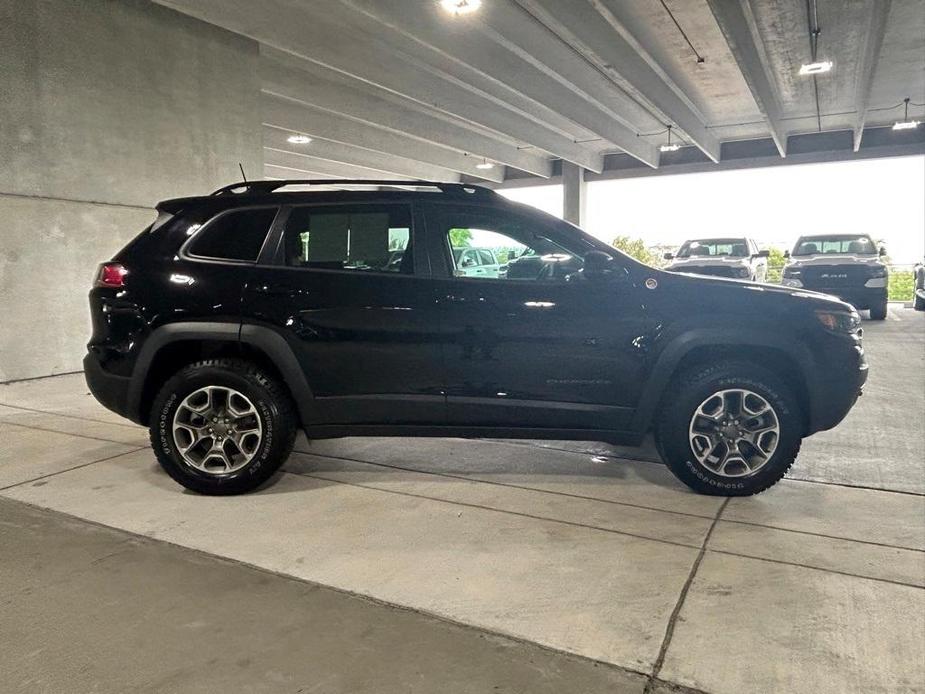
{"type": "Point", "coordinates": [105, 109]}
{"type": "Point", "coordinates": [574, 191]}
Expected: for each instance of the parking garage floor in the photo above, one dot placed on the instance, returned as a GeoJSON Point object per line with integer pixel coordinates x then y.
{"type": "Point", "coordinates": [387, 565]}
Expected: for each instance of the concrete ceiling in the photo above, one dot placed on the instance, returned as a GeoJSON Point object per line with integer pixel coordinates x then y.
{"type": "Point", "coordinates": [400, 88]}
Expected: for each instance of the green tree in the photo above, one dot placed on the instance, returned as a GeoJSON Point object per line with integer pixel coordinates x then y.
{"type": "Point", "coordinates": [636, 248]}
{"type": "Point", "coordinates": [776, 262]}
{"type": "Point", "coordinates": [460, 238]}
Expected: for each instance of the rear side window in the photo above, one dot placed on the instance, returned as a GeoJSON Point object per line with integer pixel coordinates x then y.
{"type": "Point", "coordinates": [370, 238]}
{"type": "Point", "coordinates": [236, 235]}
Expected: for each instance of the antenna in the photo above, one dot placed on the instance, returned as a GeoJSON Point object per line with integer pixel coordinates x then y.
{"type": "Point", "coordinates": [241, 166]}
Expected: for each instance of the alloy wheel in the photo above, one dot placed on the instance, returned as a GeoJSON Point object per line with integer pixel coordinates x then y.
{"type": "Point", "coordinates": [734, 432]}
{"type": "Point", "coordinates": [217, 430]}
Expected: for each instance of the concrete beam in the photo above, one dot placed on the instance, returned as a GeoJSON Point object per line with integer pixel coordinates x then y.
{"type": "Point", "coordinates": [873, 41]}
{"type": "Point", "coordinates": [736, 20]}
{"type": "Point", "coordinates": [276, 139]}
{"type": "Point", "coordinates": [309, 32]}
{"type": "Point", "coordinates": [597, 33]}
{"type": "Point", "coordinates": [317, 86]}
{"type": "Point", "coordinates": [807, 148]}
{"type": "Point", "coordinates": [301, 162]}
{"type": "Point", "coordinates": [427, 26]}
{"type": "Point", "coordinates": [574, 192]}
{"type": "Point", "coordinates": [298, 117]}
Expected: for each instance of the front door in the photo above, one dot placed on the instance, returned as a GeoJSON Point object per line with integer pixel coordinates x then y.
{"type": "Point", "coordinates": [351, 295]}
{"type": "Point", "coordinates": [536, 344]}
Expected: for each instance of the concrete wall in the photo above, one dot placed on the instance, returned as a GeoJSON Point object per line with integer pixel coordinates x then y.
{"type": "Point", "coordinates": [106, 107]}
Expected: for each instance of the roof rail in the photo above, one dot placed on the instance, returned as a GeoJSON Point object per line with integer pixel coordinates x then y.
{"type": "Point", "coordinates": [264, 187]}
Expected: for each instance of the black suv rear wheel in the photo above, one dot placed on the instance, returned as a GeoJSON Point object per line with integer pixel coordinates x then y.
{"type": "Point", "coordinates": [730, 429]}
{"type": "Point", "coordinates": [222, 426]}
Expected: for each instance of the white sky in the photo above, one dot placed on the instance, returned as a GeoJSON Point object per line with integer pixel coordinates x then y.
{"type": "Point", "coordinates": [881, 197]}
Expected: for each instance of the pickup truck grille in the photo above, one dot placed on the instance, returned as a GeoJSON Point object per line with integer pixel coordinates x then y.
{"type": "Point", "coordinates": [834, 276]}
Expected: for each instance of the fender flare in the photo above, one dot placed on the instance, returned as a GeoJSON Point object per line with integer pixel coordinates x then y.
{"type": "Point", "coordinates": [682, 345]}
{"type": "Point", "coordinates": [264, 339]}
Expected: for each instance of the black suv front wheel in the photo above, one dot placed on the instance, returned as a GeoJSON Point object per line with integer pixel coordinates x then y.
{"type": "Point", "coordinates": [222, 426]}
{"type": "Point", "coordinates": [730, 429]}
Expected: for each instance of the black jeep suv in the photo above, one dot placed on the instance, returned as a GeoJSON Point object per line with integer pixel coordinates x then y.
{"type": "Point", "coordinates": [237, 318]}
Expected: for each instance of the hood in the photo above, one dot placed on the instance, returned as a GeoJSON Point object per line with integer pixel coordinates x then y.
{"type": "Point", "coordinates": [738, 296]}
{"type": "Point", "coordinates": [707, 261]}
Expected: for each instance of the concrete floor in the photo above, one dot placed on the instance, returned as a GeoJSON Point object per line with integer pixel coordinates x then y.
{"type": "Point", "coordinates": [525, 566]}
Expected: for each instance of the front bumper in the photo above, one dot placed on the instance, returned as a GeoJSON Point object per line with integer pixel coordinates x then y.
{"type": "Point", "coordinates": [839, 387]}
{"type": "Point", "coordinates": [859, 297]}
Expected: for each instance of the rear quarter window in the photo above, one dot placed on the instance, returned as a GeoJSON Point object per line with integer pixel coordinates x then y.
{"type": "Point", "coordinates": [235, 235]}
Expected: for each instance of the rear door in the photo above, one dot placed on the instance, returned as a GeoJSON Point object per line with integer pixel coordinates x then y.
{"type": "Point", "coordinates": [349, 289]}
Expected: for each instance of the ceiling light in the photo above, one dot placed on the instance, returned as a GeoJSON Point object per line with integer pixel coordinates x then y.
{"type": "Point", "coordinates": [485, 165]}
{"type": "Point", "coordinates": [299, 139]}
{"type": "Point", "coordinates": [905, 123]}
{"type": "Point", "coordinates": [816, 68]}
{"type": "Point", "coordinates": [669, 146]}
{"type": "Point", "coordinates": [460, 7]}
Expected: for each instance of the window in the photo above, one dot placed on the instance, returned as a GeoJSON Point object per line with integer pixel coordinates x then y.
{"type": "Point", "coordinates": [373, 238]}
{"type": "Point", "coordinates": [835, 244]}
{"type": "Point", "coordinates": [236, 235]}
{"type": "Point", "coordinates": [735, 248]}
{"type": "Point", "coordinates": [485, 247]}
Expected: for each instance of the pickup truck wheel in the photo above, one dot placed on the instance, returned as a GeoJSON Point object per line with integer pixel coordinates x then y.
{"type": "Point", "coordinates": [730, 429]}
{"type": "Point", "coordinates": [918, 303]}
{"type": "Point", "coordinates": [222, 426]}
{"type": "Point", "coordinates": [878, 312]}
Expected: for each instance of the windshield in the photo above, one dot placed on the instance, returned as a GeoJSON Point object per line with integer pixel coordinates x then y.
{"type": "Point", "coordinates": [736, 248]}
{"type": "Point", "coordinates": [844, 243]}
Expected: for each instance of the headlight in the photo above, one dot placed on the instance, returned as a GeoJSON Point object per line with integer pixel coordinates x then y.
{"type": "Point", "coordinates": [790, 271]}
{"type": "Point", "coordinates": [878, 271]}
{"type": "Point", "coordinates": [840, 321]}
{"type": "Point", "coordinates": [742, 272]}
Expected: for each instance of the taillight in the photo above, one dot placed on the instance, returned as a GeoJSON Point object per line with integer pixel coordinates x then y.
{"type": "Point", "coordinates": [111, 275]}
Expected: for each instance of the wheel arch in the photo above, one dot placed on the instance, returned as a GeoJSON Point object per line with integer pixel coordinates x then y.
{"type": "Point", "coordinates": [172, 346]}
{"type": "Point", "coordinates": [787, 359]}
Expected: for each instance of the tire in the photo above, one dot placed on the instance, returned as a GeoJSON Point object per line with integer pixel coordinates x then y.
{"type": "Point", "coordinates": [878, 312]}
{"type": "Point", "coordinates": [918, 303]}
{"type": "Point", "coordinates": [269, 410]}
{"type": "Point", "coordinates": [688, 393]}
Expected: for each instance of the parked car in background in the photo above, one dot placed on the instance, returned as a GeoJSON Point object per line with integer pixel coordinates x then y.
{"type": "Point", "coordinates": [476, 262]}
{"type": "Point", "coordinates": [237, 318]}
{"type": "Point", "coordinates": [848, 266]}
{"type": "Point", "coordinates": [738, 258]}
{"type": "Point", "coordinates": [918, 287]}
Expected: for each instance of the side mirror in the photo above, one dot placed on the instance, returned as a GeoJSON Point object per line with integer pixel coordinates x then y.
{"type": "Point", "coordinates": [669, 256]}
{"type": "Point", "coordinates": [786, 254]}
{"type": "Point", "coordinates": [597, 265]}
{"type": "Point", "coordinates": [764, 253]}
{"type": "Point", "coordinates": [882, 251]}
